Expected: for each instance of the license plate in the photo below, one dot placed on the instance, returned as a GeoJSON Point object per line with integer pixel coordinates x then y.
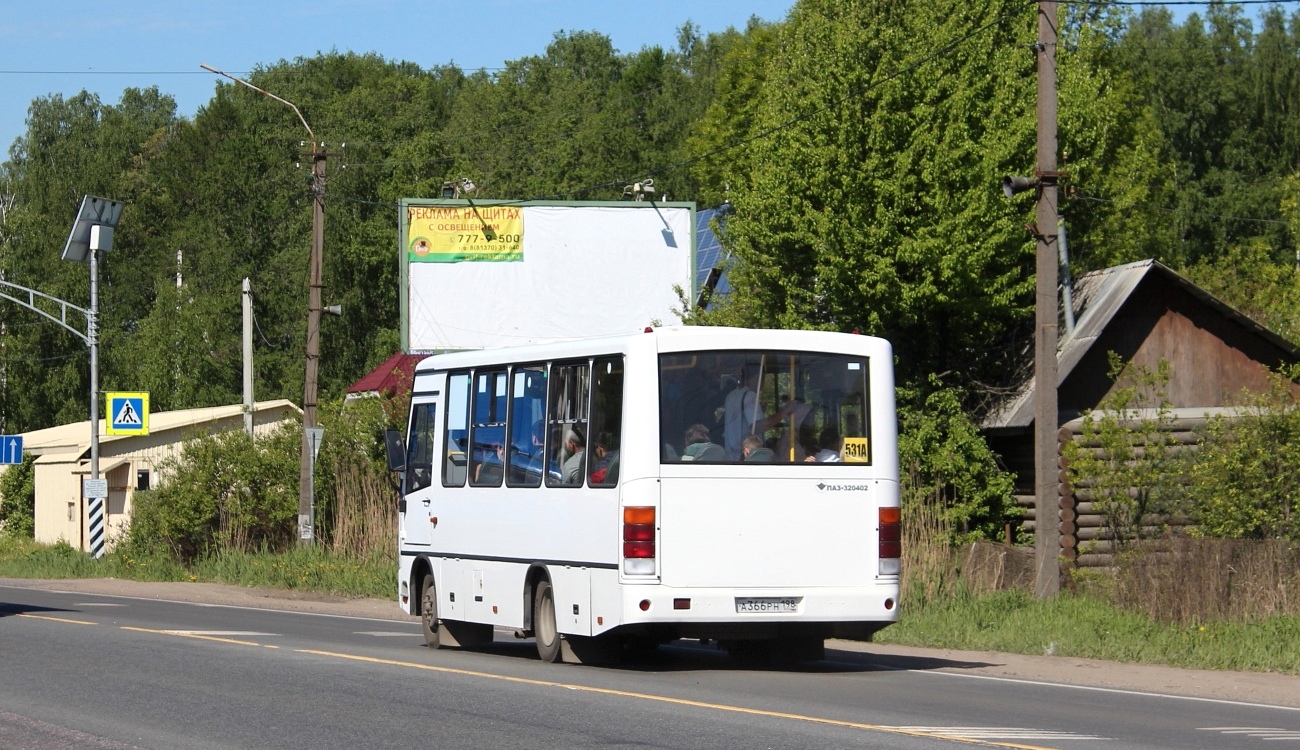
{"type": "Point", "coordinates": [767, 604]}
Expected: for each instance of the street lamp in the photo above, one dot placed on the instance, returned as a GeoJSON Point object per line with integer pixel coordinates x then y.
{"type": "Point", "coordinates": [310, 433]}
{"type": "Point", "coordinates": [92, 233]}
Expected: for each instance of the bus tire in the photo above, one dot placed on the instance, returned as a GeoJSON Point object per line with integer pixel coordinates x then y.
{"type": "Point", "coordinates": [429, 612]}
{"type": "Point", "coordinates": [545, 631]}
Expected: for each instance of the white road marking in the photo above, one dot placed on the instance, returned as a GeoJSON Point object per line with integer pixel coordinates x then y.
{"type": "Point", "coordinates": [1001, 733]}
{"type": "Point", "coordinates": [386, 634]}
{"type": "Point", "coordinates": [97, 604]}
{"type": "Point", "coordinates": [1042, 683]}
{"type": "Point", "coordinates": [220, 633]}
{"type": "Point", "coordinates": [1263, 733]}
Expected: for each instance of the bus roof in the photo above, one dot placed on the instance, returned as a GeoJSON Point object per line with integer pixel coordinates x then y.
{"type": "Point", "coordinates": [667, 338]}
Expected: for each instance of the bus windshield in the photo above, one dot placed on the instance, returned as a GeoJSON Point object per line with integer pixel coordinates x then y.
{"type": "Point", "coordinates": [746, 406]}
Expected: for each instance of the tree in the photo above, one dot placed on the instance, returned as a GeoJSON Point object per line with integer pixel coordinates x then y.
{"type": "Point", "coordinates": [72, 147]}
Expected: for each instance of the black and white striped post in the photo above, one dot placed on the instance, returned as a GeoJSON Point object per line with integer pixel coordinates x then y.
{"type": "Point", "coordinates": [92, 233]}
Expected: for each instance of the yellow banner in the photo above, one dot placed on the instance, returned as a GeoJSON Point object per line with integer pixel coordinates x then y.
{"type": "Point", "coordinates": [451, 234]}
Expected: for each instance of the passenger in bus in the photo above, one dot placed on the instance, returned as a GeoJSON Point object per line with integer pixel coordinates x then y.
{"type": "Point", "coordinates": [743, 413]}
{"type": "Point", "coordinates": [829, 441]}
{"type": "Point", "coordinates": [492, 467]}
{"type": "Point", "coordinates": [798, 438]}
{"type": "Point", "coordinates": [700, 448]}
{"type": "Point", "coordinates": [605, 468]}
{"type": "Point", "coordinates": [576, 446]}
{"type": "Point", "coordinates": [752, 449]}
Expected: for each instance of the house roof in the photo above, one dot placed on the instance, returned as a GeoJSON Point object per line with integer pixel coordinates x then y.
{"type": "Point", "coordinates": [394, 375]}
{"type": "Point", "coordinates": [1098, 298]}
{"type": "Point", "coordinates": [75, 437]}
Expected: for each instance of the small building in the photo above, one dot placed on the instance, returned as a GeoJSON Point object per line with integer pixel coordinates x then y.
{"type": "Point", "coordinates": [1145, 313]}
{"type": "Point", "coordinates": [129, 463]}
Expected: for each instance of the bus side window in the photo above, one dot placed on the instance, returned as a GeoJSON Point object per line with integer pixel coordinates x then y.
{"type": "Point", "coordinates": [419, 459]}
{"type": "Point", "coordinates": [526, 457]}
{"type": "Point", "coordinates": [567, 418]}
{"type": "Point", "coordinates": [488, 436]}
{"type": "Point", "coordinates": [606, 422]}
{"type": "Point", "coordinates": [456, 446]}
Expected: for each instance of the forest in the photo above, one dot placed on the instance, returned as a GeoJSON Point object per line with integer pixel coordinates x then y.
{"type": "Point", "coordinates": [861, 144]}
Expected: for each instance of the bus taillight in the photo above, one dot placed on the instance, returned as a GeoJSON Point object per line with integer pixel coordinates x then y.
{"type": "Point", "coordinates": [891, 541]}
{"type": "Point", "coordinates": [639, 540]}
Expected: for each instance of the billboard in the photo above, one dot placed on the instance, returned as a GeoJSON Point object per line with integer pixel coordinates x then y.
{"type": "Point", "coordinates": [478, 273]}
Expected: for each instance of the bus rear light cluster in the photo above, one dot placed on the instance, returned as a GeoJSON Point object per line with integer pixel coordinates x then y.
{"type": "Point", "coordinates": [891, 541]}
{"type": "Point", "coordinates": [639, 540]}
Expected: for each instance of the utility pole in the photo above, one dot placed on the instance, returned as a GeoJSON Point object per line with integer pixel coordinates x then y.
{"type": "Point", "coordinates": [1047, 514]}
{"type": "Point", "coordinates": [310, 432]}
{"type": "Point", "coordinates": [247, 305]}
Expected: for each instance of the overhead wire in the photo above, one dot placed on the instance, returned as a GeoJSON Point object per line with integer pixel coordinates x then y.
{"type": "Point", "coordinates": [1184, 212]}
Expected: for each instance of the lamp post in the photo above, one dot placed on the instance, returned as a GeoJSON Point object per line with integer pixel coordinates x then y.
{"type": "Point", "coordinates": [92, 233]}
{"type": "Point", "coordinates": [310, 433]}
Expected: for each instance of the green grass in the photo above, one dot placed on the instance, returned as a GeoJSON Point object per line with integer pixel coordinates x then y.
{"type": "Point", "coordinates": [302, 568]}
{"type": "Point", "coordinates": [1078, 626]}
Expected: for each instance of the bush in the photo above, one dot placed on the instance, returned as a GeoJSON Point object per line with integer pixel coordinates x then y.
{"type": "Point", "coordinates": [18, 499]}
{"type": "Point", "coordinates": [356, 504]}
{"type": "Point", "coordinates": [1126, 461]}
{"type": "Point", "coordinates": [946, 464]}
{"type": "Point", "coordinates": [223, 491]}
{"type": "Point", "coordinates": [1247, 474]}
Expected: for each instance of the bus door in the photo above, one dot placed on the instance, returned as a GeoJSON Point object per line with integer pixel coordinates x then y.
{"type": "Point", "coordinates": [417, 484]}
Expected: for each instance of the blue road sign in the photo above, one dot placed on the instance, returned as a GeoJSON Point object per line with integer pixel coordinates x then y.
{"type": "Point", "coordinates": [11, 449]}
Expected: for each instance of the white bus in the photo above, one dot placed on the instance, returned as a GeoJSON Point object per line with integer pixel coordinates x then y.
{"type": "Point", "coordinates": [732, 485]}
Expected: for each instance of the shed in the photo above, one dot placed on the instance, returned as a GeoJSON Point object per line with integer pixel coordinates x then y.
{"type": "Point", "coordinates": [1144, 312]}
{"type": "Point", "coordinates": [128, 462]}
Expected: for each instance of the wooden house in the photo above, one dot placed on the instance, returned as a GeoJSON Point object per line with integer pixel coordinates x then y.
{"type": "Point", "coordinates": [1145, 313]}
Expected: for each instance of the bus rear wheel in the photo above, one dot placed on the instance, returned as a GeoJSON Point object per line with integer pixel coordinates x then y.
{"type": "Point", "coordinates": [545, 632]}
{"type": "Point", "coordinates": [429, 612]}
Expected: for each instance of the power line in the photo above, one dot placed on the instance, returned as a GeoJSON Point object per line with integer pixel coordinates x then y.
{"type": "Point", "coordinates": [1185, 212]}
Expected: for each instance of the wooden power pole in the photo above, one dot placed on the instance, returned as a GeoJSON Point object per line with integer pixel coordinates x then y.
{"type": "Point", "coordinates": [1047, 515]}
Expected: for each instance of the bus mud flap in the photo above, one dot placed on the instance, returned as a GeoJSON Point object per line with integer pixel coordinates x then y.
{"type": "Point", "coordinates": [591, 650]}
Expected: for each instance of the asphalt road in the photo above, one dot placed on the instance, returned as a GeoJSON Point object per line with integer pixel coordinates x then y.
{"type": "Point", "coordinates": [121, 665]}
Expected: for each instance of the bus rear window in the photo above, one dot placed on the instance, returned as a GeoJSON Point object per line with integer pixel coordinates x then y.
{"type": "Point", "coordinates": [764, 407]}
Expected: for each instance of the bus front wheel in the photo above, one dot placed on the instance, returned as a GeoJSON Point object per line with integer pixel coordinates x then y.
{"type": "Point", "coordinates": [545, 631]}
{"type": "Point", "coordinates": [429, 612]}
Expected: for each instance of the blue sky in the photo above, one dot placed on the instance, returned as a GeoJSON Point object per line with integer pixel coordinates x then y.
{"type": "Point", "coordinates": [65, 46]}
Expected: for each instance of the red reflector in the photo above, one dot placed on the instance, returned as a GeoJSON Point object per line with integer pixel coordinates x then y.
{"type": "Point", "coordinates": [645, 605]}
{"type": "Point", "coordinates": [638, 549]}
{"type": "Point", "coordinates": [681, 604]}
{"type": "Point", "coordinates": [638, 532]}
{"type": "Point", "coordinates": [887, 549]}
{"type": "Point", "coordinates": [889, 604]}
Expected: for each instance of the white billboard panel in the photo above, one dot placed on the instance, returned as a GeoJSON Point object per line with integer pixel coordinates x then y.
{"type": "Point", "coordinates": [485, 274]}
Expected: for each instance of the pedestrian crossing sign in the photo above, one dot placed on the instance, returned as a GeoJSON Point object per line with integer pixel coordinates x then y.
{"type": "Point", "coordinates": [128, 414]}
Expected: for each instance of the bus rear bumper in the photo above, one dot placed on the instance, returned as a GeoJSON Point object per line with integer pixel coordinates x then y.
{"type": "Point", "coordinates": [722, 613]}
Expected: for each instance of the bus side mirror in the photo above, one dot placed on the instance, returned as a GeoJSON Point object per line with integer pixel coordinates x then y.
{"type": "Point", "coordinates": [396, 450]}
